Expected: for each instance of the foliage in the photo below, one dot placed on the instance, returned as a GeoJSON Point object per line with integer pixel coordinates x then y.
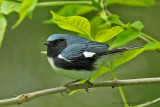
{"type": "Point", "coordinates": [103, 27]}
{"type": "Point", "coordinates": [125, 37]}
{"type": "Point", "coordinates": [8, 7]}
{"type": "Point", "coordinates": [25, 8]}
{"type": "Point", "coordinates": [126, 57]}
{"type": "Point", "coordinates": [3, 24]}
{"type": "Point", "coordinates": [105, 35]}
{"type": "Point", "coordinates": [74, 23]}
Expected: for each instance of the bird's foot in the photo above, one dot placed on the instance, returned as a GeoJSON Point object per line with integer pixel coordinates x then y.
{"type": "Point", "coordinates": [90, 85]}
{"type": "Point", "coordinates": [69, 83]}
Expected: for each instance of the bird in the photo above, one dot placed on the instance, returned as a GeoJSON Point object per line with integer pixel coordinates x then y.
{"type": "Point", "coordinates": [76, 57]}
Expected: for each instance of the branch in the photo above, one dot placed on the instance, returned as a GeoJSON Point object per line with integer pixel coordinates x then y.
{"type": "Point", "coordinates": [57, 3]}
{"type": "Point", "coordinates": [142, 37]}
{"type": "Point", "coordinates": [111, 83]}
{"type": "Point", "coordinates": [148, 103]}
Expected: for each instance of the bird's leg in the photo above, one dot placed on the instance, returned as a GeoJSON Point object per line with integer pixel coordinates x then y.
{"type": "Point", "coordinates": [90, 84]}
{"type": "Point", "coordinates": [69, 83]}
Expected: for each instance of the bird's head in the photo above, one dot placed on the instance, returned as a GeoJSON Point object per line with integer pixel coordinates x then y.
{"type": "Point", "coordinates": [58, 42]}
{"type": "Point", "coordinates": [55, 44]}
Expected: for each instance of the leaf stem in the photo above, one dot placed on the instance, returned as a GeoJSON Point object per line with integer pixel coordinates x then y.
{"type": "Point", "coordinates": [57, 3]}
{"type": "Point", "coordinates": [119, 87]}
{"type": "Point", "coordinates": [148, 37]}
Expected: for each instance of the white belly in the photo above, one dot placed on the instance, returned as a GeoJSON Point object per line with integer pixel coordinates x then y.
{"type": "Point", "coordinates": [76, 74]}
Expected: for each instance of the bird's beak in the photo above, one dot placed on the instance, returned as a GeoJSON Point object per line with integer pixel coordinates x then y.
{"type": "Point", "coordinates": [47, 43]}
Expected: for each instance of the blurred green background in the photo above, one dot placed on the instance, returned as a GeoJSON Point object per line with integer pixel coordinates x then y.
{"type": "Point", "coordinates": [24, 69]}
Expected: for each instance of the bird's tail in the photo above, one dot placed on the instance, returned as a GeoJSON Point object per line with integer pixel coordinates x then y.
{"type": "Point", "coordinates": [117, 50]}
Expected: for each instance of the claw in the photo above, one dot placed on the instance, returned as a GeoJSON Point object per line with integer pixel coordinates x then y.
{"type": "Point", "coordinates": [68, 90]}
{"type": "Point", "coordinates": [62, 94]}
{"type": "Point", "coordinates": [90, 84]}
{"type": "Point", "coordinates": [67, 85]}
{"type": "Point", "coordinates": [87, 90]}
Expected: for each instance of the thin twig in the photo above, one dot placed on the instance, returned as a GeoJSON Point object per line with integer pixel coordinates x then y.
{"type": "Point", "coordinates": [58, 3]}
{"type": "Point", "coordinates": [143, 38]}
{"type": "Point", "coordinates": [148, 103]}
{"type": "Point", "coordinates": [112, 83]}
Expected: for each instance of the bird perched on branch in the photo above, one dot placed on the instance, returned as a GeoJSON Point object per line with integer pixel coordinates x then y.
{"type": "Point", "coordinates": [76, 57]}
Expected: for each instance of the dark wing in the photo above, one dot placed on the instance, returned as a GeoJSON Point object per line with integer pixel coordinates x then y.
{"type": "Point", "coordinates": [81, 51]}
{"type": "Point", "coordinates": [96, 47]}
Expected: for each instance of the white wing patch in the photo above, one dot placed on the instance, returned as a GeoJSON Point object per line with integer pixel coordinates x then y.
{"type": "Point", "coordinates": [61, 57]}
{"type": "Point", "coordinates": [89, 54]}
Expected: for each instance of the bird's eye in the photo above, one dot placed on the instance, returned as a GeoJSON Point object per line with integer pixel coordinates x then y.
{"type": "Point", "coordinates": [58, 42]}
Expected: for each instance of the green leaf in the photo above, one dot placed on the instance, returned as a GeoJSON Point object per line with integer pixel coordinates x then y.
{"type": "Point", "coordinates": [74, 91]}
{"type": "Point", "coordinates": [113, 18]}
{"type": "Point", "coordinates": [26, 7]}
{"type": "Point", "coordinates": [101, 71]}
{"type": "Point", "coordinates": [74, 23]}
{"type": "Point", "coordinates": [126, 26]}
{"type": "Point", "coordinates": [105, 35]}
{"type": "Point", "coordinates": [8, 7]}
{"type": "Point", "coordinates": [125, 37]}
{"type": "Point", "coordinates": [103, 15]}
{"type": "Point", "coordinates": [71, 10]}
{"type": "Point", "coordinates": [127, 56]}
{"type": "Point", "coordinates": [142, 3]}
{"type": "Point", "coordinates": [97, 24]}
{"type": "Point", "coordinates": [3, 24]}
{"type": "Point", "coordinates": [137, 25]}
{"type": "Point", "coordinates": [44, 52]}
{"type": "Point", "coordinates": [48, 21]}
{"type": "Point", "coordinates": [33, 6]}
{"type": "Point", "coordinates": [151, 46]}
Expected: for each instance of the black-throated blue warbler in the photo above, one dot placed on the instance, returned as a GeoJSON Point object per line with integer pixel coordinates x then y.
{"type": "Point", "coordinates": [76, 57]}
